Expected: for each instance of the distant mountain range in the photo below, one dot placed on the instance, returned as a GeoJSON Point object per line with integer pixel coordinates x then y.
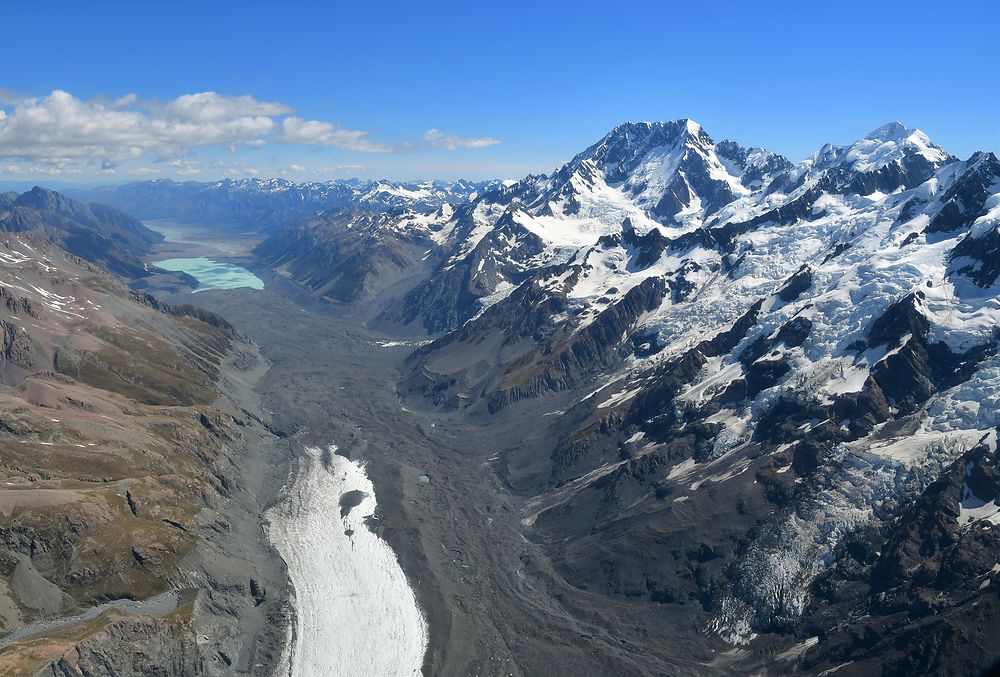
{"type": "Point", "coordinates": [263, 204]}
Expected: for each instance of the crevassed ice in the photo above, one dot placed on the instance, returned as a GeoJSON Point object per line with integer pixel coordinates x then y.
{"type": "Point", "coordinates": [355, 613]}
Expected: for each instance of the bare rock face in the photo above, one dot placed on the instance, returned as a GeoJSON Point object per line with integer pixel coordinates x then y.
{"type": "Point", "coordinates": [135, 646]}
{"type": "Point", "coordinates": [918, 596]}
{"type": "Point", "coordinates": [965, 200]}
{"type": "Point", "coordinates": [975, 257]}
{"type": "Point", "coordinates": [17, 304]}
{"type": "Point", "coordinates": [148, 552]}
{"type": "Point", "coordinates": [16, 345]}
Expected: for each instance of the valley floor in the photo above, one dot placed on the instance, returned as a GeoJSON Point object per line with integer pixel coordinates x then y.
{"type": "Point", "coordinates": [493, 601]}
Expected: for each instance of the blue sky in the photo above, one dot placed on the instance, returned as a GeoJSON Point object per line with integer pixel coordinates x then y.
{"type": "Point", "coordinates": [477, 90]}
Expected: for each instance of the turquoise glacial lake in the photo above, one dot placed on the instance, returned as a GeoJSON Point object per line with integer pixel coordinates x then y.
{"type": "Point", "coordinates": [212, 274]}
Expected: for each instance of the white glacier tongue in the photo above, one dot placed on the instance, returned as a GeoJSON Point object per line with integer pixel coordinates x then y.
{"type": "Point", "coordinates": [355, 612]}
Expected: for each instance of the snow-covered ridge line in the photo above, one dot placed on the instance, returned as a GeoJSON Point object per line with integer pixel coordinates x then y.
{"type": "Point", "coordinates": [353, 604]}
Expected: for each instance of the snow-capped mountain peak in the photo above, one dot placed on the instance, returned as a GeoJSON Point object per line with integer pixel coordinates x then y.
{"type": "Point", "coordinates": [891, 131]}
{"type": "Point", "coordinates": [890, 143]}
{"type": "Point", "coordinates": [660, 174]}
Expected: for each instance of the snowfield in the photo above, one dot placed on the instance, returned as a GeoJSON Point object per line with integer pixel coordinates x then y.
{"type": "Point", "coordinates": [355, 613]}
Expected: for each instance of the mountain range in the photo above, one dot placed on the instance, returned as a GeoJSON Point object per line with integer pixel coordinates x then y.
{"type": "Point", "coordinates": [762, 389]}
{"type": "Point", "coordinates": [751, 400]}
{"type": "Point", "coordinates": [262, 204]}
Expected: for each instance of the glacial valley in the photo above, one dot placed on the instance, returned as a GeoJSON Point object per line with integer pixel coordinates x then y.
{"type": "Point", "coordinates": [681, 407]}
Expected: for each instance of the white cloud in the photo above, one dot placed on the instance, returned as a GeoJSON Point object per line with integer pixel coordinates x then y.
{"type": "Point", "coordinates": [343, 170]}
{"type": "Point", "coordinates": [435, 138]}
{"type": "Point", "coordinates": [60, 129]}
{"type": "Point", "coordinates": [297, 168]}
{"type": "Point", "coordinates": [125, 101]}
{"type": "Point", "coordinates": [316, 133]}
{"type": "Point", "coordinates": [62, 133]}
{"type": "Point", "coordinates": [209, 106]}
{"type": "Point", "coordinates": [42, 170]}
{"type": "Point", "coordinates": [186, 167]}
{"type": "Point", "coordinates": [235, 169]}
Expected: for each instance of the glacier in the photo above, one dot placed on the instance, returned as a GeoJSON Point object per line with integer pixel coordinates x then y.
{"type": "Point", "coordinates": [353, 604]}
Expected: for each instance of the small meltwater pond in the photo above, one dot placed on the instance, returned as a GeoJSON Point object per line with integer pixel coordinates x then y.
{"type": "Point", "coordinates": [212, 274]}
